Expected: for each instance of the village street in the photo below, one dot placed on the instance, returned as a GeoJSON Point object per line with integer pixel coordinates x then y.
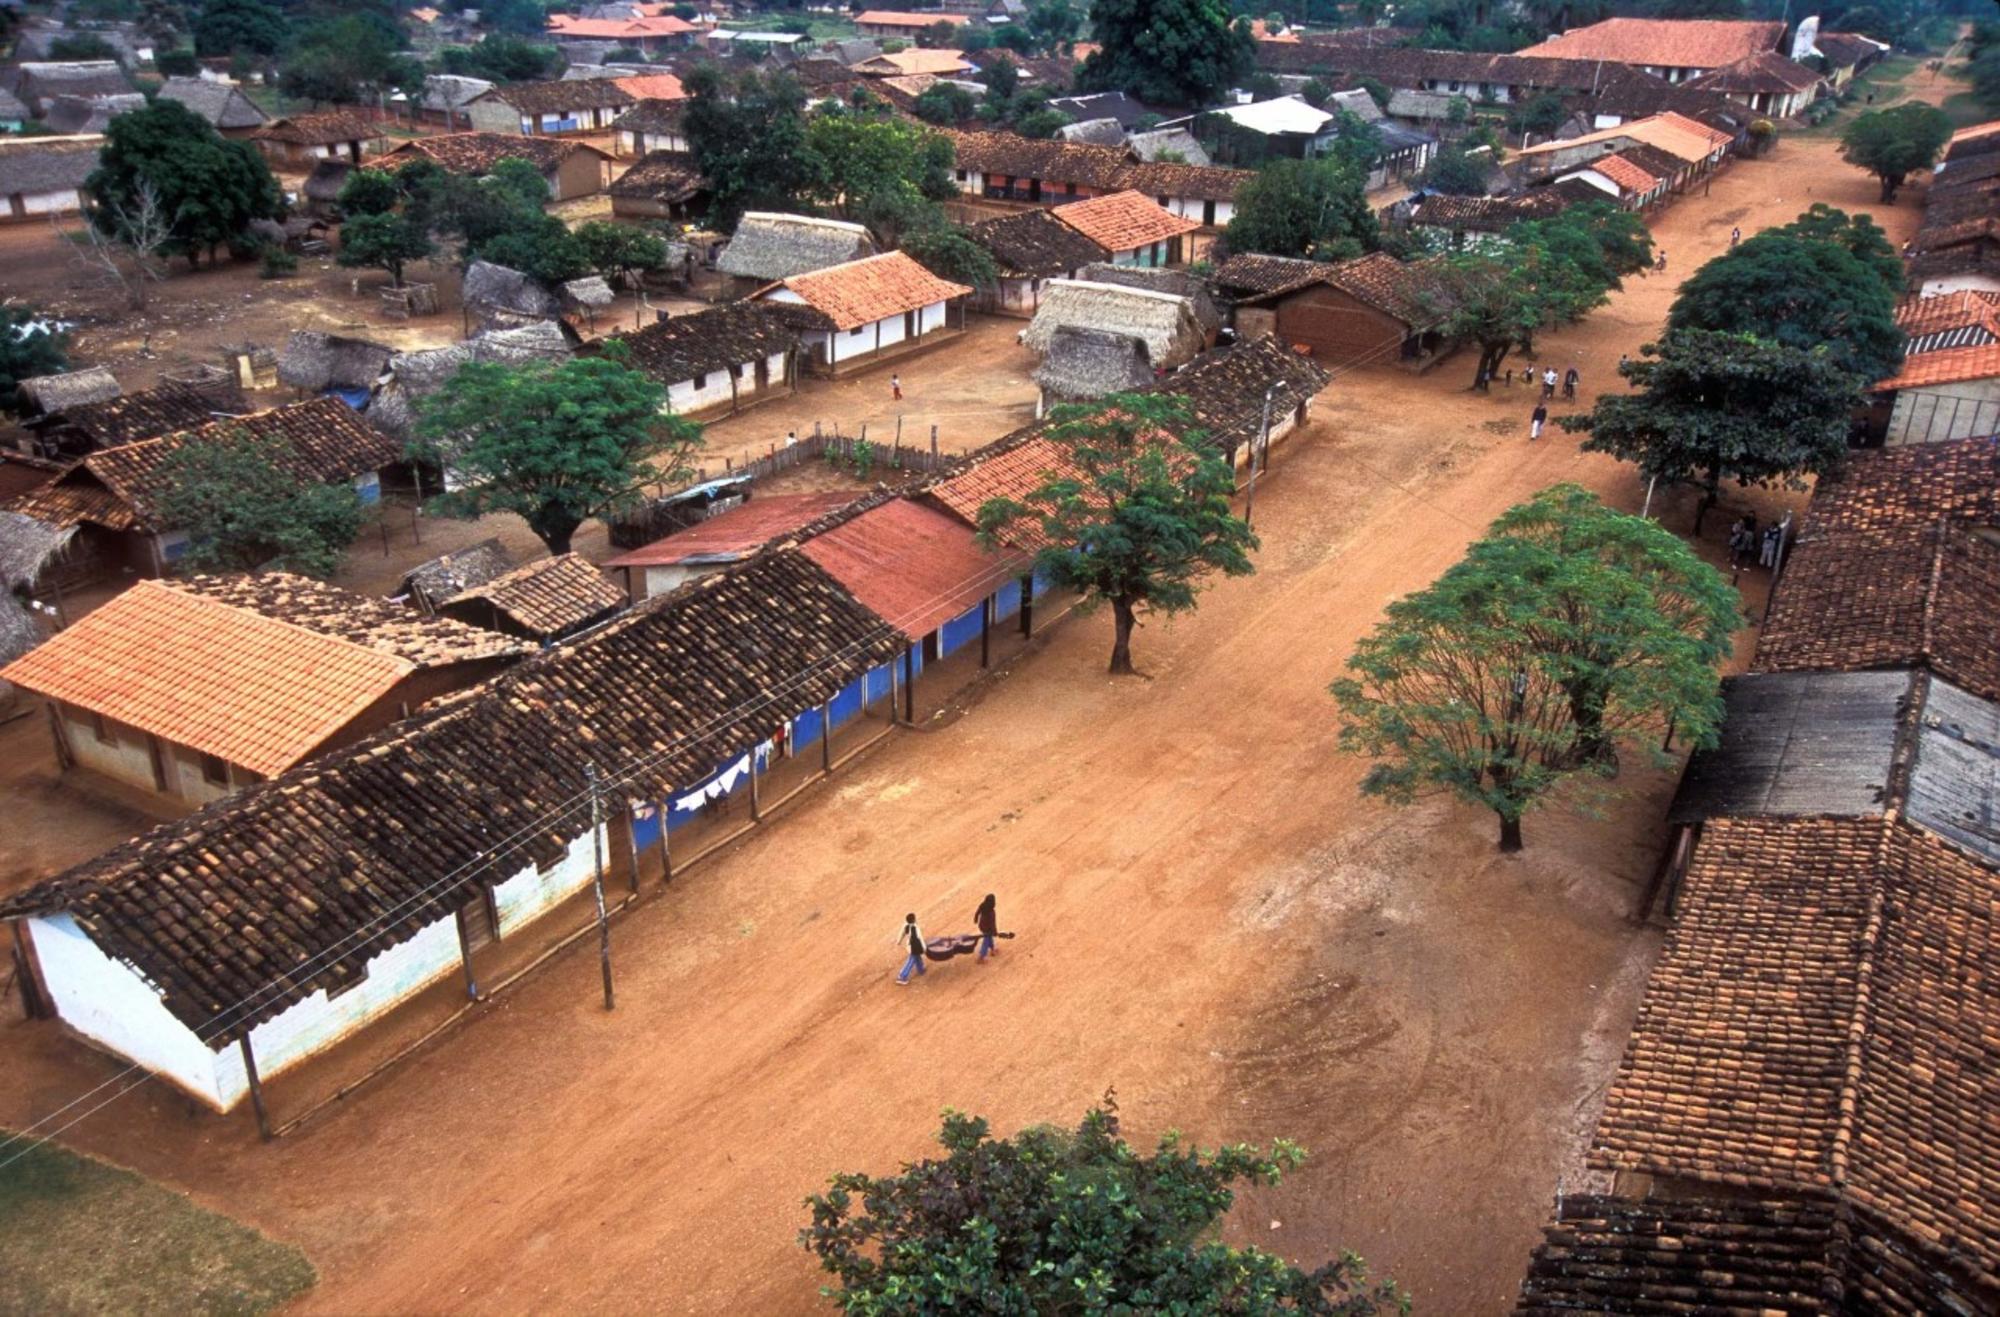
{"type": "Point", "coordinates": [1210, 920]}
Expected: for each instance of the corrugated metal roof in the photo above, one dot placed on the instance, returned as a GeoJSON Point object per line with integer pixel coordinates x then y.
{"type": "Point", "coordinates": [912, 565]}
{"type": "Point", "coordinates": [739, 532]}
{"type": "Point", "coordinates": [1956, 776]}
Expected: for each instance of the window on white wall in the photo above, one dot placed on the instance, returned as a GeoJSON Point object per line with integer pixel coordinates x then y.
{"type": "Point", "coordinates": [214, 771]}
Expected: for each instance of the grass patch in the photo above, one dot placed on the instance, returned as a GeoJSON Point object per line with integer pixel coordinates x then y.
{"type": "Point", "coordinates": [83, 1237]}
{"type": "Point", "coordinates": [1964, 110]}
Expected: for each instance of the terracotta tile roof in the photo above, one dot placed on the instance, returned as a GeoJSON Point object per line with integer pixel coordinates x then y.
{"type": "Point", "coordinates": [479, 153]}
{"type": "Point", "coordinates": [229, 682]}
{"type": "Point", "coordinates": [536, 98]}
{"type": "Point", "coordinates": [679, 348]}
{"type": "Point", "coordinates": [739, 532]}
{"type": "Point", "coordinates": [1825, 1016]}
{"type": "Point", "coordinates": [1694, 43]}
{"type": "Point", "coordinates": [912, 565]}
{"type": "Point", "coordinates": [1123, 221]}
{"type": "Point", "coordinates": [1765, 71]}
{"type": "Point", "coordinates": [1687, 140]}
{"type": "Point", "coordinates": [326, 128]}
{"type": "Point", "coordinates": [665, 176]}
{"type": "Point", "coordinates": [1628, 176]}
{"type": "Point", "coordinates": [873, 288]}
{"type": "Point", "coordinates": [1909, 485]}
{"type": "Point", "coordinates": [322, 441]}
{"type": "Point", "coordinates": [905, 18]}
{"type": "Point", "coordinates": [1269, 276]}
{"type": "Point", "coordinates": [382, 625]}
{"type": "Point", "coordinates": [1489, 214]}
{"type": "Point", "coordinates": [1406, 290]}
{"type": "Point", "coordinates": [294, 884]}
{"type": "Point", "coordinates": [652, 116]}
{"type": "Point", "coordinates": [71, 499]}
{"type": "Point", "coordinates": [653, 87]}
{"type": "Point", "coordinates": [619, 29]}
{"type": "Point", "coordinates": [546, 598]}
{"type": "Point", "coordinates": [1035, 244]}
{"type": "Point", "coordinates": [1100, 168]}
{"type": "Point", "coordinates": [907, 63]}
{"type": "Point", "coordinates": [1164, 178]}
{"type": "Point", "coordinates": [147, 414]}
{"type": "Point", "coordinates": [1945, 366]}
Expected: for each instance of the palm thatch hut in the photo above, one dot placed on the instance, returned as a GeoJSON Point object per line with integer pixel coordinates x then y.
{"type": "Point", "coordinates": [321, 194]}
{"type": "Point", "coordinates": [770, 247]}
{"type": "Point", "coordinates": [29, 547]}
{"type": "Point", "coordinates": [451, 574]}
{"type": "Point", "coordinates": [49, 394]}
{"type": "Point", "coordinates": [416, 375]}
{"type": "Point", "coordinates": [1165, 323]}
{"type": "Point", "coordinates": [500, 298]}
{"type": "Point", "coordinates": [588, 295]}
{"type": "Point", "coordinates": [349, 368]}
{"type": "Point", "coordinates": [1084, 365]}
{"type": "Point", "coordinates": [1175, 282]}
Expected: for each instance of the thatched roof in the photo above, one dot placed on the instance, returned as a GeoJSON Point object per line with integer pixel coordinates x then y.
{"type": "Point", "coordinates": [316, 362]}
{"type": "Point", "coordinates": [20, 630]}
{"type": "Point", "coordinates": [591, 291]}
{"type": "Point", "coordinates": [89, 114]}
{"type": "Point", "coordinates": [771, 247]}
{"type": "Point", "coordinates": [1095, 132]}
{"type": "Point", "coordinates": [1086, 364]}
{"type": "Point", "coordinates": [451, 574]}
{"type": "Point", "coordinates": [1151, 146]}
{"type": "Point", "coordinates": [326, 180]}
{"type": "Point", "coordinates": [1167, 324]}
{"type": "Point", "coordinates": [504, 298]}
{"type": "Point", "coordinates": [219, 103]}
{"type": "Point", "coordinates": [37, 165]}
{"type": "Point", "coordinates": [1177, 283]}
{"type": "Point", "coordinates": [52, 393]}
{"type": "Point", "coordinates": [414, 375]}
{"type": "Point", "coordinates": [26, 546]}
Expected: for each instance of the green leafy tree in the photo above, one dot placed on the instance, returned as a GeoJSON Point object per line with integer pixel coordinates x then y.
{"type": "Point", "coordinates": [82, 45]}
{"type": "Point", "coordinates": [946, 104]}
{"type": "Point", "coordinates": [555, 444]}
{"type": "Point", "coordinates": [1569, 633]}
{"type": "Point", "coordinates": [1054, 24]}
{"type": "Point", "coordinates": [1167, 52]}
{"type": "Point", "coordinates": [1858, 235]}
{"type": "Point", "coordinates": [1135, 514]}
{"type": "Point", "coordinates": [944, 249]}
{"type": "Point", "coordinates": [1894, 143]}
{"type": "Point", "coordinates": [241, 512]}
{"type": "Point", "coordinates": [749, 141]}
{"type": "Point", "coordinates": [1357, 142]}
{"type": "Point", "coordinates": [1456, 174]}
{"type": "Point", "coordinates": [30, 346]}
{"type": "Point", "coordinates": [369, 192]}
{"type": "Point", "coordinates": [383, 242]}
{"type": "Point", "coordinates": [941, 35]}
{"type": "Point", "coordinates": [239, 27]}
{"type": "Point", "coordinates": [1002, 77]}
{"type": "Point", "coordinates": [1041, 123]}
{"type": "Point", "coordinates": [620, 251]}
{"type": "Point", "coordinates": [1540, 116]}
{"type": "Point", "coordinates": [1378, 90]}
{"type": "Point", "coordinates": [210, 188]}
{"type": "Point", "coordinates": [177, 63]}
{"type": "Point", "coordinates": [500, 59]}
{"type": "Point", "coordinates": [519, 18]}
{"type": "Point", "coordinates": [1306, 208]}
{"type": "Point", "coordinates": [1598, 238]}
{"type": "Point", "coordinates": [348, 59]}
{"type": "Point", "coordinates": [871, 165]}
{"type": "Point", "coordinates": [1502, 295]}
{"type": "Point", "coordinates": [1710, 407]}
{"type": "Point", "coordinates": [1801, 292]}
{"type": "Point", "coordinates": [1059, 1220]}
{"type": "Point", "coordinates": [542, 247]}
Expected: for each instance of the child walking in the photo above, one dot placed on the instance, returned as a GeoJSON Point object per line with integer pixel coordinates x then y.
{"type": "Point", "coordinates": [988, 922]}
{"type": "Point", "coordinates": [913, 943]}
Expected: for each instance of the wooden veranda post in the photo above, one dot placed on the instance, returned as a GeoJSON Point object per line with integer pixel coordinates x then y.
{"type": "Point", "coordinates": [826, 737]}
{"type": "Point", "coordinates": [597, 881]}
{"type": "Point", "coordinates": [256, 1088]}
{"type": "Point", "coordinates": [753, 783]}
{"type": "Point", "coordinates": [910, 683]}
{"type": "Point", "coordinates": [1027, 606]}
{"type": "Point", "coordinates": [465, 954]}
{"type": "Point", "coordinates": [986, 631]}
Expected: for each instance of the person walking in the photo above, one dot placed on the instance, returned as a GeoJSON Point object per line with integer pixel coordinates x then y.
{"type": "Point", "coordinates": [1735, 236]}
{"type": "Point", "coordinates": [1570, 379]}
{"type": "Point", "coordinates": [896, 388]}
{"type": "Point", "coordinates": [1537, 420]}
{"type": "Point", "coordinates": [1660, 263]}
{"type": "Point", "coordinates": [1548, 384]}
{"type": "Point", "coordinates": [1767, 554]}
{"type": "Point", "coordinates": [913, 942]}
{"type": "Point", "coordinates": [987, 921]}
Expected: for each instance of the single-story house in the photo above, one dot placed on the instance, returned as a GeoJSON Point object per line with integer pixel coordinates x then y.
{"type": "Point", "coordinates": [650, 126]}
{"type": "Point", "coordinates": [573, 169]}
{"type": "Point", "coordinates": [1009, 167]}
{"type": "Point", "coordinates": [1469, 221]}
{"type": "Point", "coordinates": [769, 246]}
{"type": "Point", "coordinates": [1179, 142]}
{"type": "Point", "coordinates": [223, 104]}
{"type": "Point", "coordinates": [1695, 144]}
{"type": "Point", "coordinates": [110, 493]}
{"type": "Point", "coordinates": [543, 601]}
{"type": "Point", "coordinates": [1117, 105]}
{"type": "Point", "coordinates": [451, 574]}
{"type": "Point", "coordinates": [1029, 249]}
{"type": "Point", "coordinates": [79, 427]}
{"type": "Point", "coordinates": [1624, 177]}
{"type": "Point", "coordinates": [1283, 127]}
{"type": "Point", "coordinates": [446, 95]}
{"type": "Point", "coordinates": [37, 83]}
{"type": "Point", "coordinates": [1166, 324]}
{"type": "Point", "coordinates": [1134, 229]}
{"type": "Point", "coordinates": [1175, 282]}
{"type": "Point", "coordinates": [195, 688]}
{"type": "Point", "coordinates": [731, 355]}
{"type": "Point", "coordinates": [1676, 49]}
{"type": "Point", "coordinates": [1094, 132]}
{"type": "Point", "coordinates": [728, 537]}
{"type": "Point", "coordinates": [1374, 308]}
{"type": "Point", "coordinates": [1767, 82]}
{"type": "Point", "coordinates": [43, 176]}
{"type": "Point", "coordinates": [301, 140]}
{"type": "Point", "coordinates": [48, 394]}
{"type": "Point", "coordinates": [337, 365]}
{"type": "Point", "coordinates": [534, 109]}
{"type": "Point", "coordinates": [501, 298]}
{"type": "Point", "coordinates": [71, 115]}
{"type": "Point", "coordinates": [858, 311]}
{"type": "Point", "coordinates": [652, 86]}
{"type": "Point", "coordinates": [647, 33]}
{"type": "Point", "coordinates": [917, 62]}
{"type": "Point", "coordinates": [1946, 393]}
{"type": "Point", "coordinates": [1083, 365]}
{"type": "Point", "coordinates": [659, 185]}
{"type": "Point", "coordinates": [319, 195]}
{"type": "Point", "coordinates": [903, 24]}
{"type": "Point", "coordinates": [1844, 54]}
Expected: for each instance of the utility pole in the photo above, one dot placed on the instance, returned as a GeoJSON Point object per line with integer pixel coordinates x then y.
{"type": "Point", "coordinates": [1263, 437]}
{"type": "Point", "coordinates": [597, 880]}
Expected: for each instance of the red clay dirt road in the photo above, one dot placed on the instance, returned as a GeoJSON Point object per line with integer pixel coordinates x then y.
{"type": "Point", "coordinates": [1210, 919]}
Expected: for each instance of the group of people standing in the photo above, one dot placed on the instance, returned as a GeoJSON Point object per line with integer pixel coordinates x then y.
{"type": "Point", "coordinates": [1540, 416]}
{"type": "Point", "coordinates": [1747, 543]}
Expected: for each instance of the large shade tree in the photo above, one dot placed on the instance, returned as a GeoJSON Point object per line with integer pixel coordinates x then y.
{"type": "Point", "coordinates": [1709, 407]}
{"type": "Point", "coordinates": [1305, 208]}
{"type": "Point", "coordinates": [1567, 635]}
{"type": "Point", "coordinates": [1167, 52]}
{"type": "Point", "coordinates": [556, 444]}
{"type": "Point", "coordinates": [1134, 512]}
{"type": "Point", "coordinates": [1060, 1220]}
{"type": "Point", "coordinates": [1894, 143]}
{"type": "Point", "coordinates": [242, 512]}
{"type": "Point", "coordinates": [208, 188]}
{"type": "Point", "coordinates": [1501, 296]}
{"type": "Point", "coordinates": [748, 139]}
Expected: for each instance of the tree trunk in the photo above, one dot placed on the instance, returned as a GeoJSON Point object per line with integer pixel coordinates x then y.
{"type": "Point", "coordinates": [1890, 182]}
{"type": "Point", "coordinates": [1510, 835]}
{"type": "Point", "coordinates": [1711, 490]}
{"type": "Point", "coordinates": [554, 529]}
{"type": "Point", "coordinates": [1123, 619]}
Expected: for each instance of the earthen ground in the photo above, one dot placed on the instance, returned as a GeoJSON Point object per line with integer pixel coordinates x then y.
{"type": "Point", "coordinates": [1212, 921]}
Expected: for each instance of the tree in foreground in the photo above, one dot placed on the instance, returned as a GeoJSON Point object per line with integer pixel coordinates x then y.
{"type": "Point", "coordinates": [29, 347]}
{"type": "Point", "coordinates": [1167, 52]}
{"type": "Point", "coordinates": [1570, 633]}
{"type": "Point", "coordinates": [242, 512]}
{"type": "Point", "coordinates": [1711, 407]}
{"type": "Point", "coordinates": [1306, 208]}
{"type": "Point", "coordinates": [1894, 143]}
{"type": "Point", "coordinates": [555, 444]}
{"type": "Point", "coordinates": [1059, 1220]}
{"type": "Point", "coordinates": [1135, 514]}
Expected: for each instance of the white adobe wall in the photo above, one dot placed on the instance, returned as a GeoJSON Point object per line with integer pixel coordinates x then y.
{"type": "Point", "coordinates": [1947, 411]}
{"type": "Point", "coordinates": [51, 203]}
{"type": "Point", "coordinates": [531, 892]}
{"type": "Point", "coordinates": [127, 758]}
{"type": "Point", "coordinates": [685, 397]}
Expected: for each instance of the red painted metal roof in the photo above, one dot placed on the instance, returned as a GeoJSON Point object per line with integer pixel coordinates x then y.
{"type": "Point", "coordinates": [912, 565]}
{"type": "Point", "coordinates": [739, 532]}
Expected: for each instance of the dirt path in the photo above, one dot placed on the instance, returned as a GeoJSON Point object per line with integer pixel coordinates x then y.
{"type": "Point", "coordinates": [1211, 920]}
